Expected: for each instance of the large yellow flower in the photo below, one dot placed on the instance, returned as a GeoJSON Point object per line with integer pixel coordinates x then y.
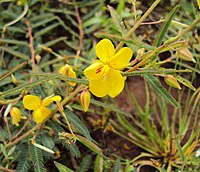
{"type": "Point", "coordinates": [40, 111]}
{"type": "Point", "coordinates": [104, 75]}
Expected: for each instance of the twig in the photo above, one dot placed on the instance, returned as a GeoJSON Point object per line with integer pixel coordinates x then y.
{"type": "Point", "coordinates": [30, 41]}
{"type": "Point", "coordinates": [80, 27]}
{"type": "Point", "coordinates": [24, 126]}
{"type": "Point", "coordinates": [6, 169]}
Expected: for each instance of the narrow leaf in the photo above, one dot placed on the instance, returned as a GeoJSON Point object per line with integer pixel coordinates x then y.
{"type": "Point", "coordinates": [165, 26]}
{"type": "Point", "coordinates": [185, 82]}
{"type": "Point", "coordinates": [62, 168]}
{"type": "Point", "coordinates": [15, 53]}
{"type": "Point", "coordinates": [117, 20]}
{"type": "Point", "coordinates": [110, 107]}
{"type": "Point", "coordinates": [78, 124]}
{"type": "Point", "coordinates": [98, 164]}
{"type": "Point", "coordinates": [158, 88]}
{"type": "Point", "coordinates": [180, 150]}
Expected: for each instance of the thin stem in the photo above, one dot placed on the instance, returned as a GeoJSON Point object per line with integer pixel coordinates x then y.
{"type": "Point", "coordinates": [30, 41]}
{"type": "Point", "coordinates": [139, 22]}
{"type": "Point", "coordinates": [68, 98]}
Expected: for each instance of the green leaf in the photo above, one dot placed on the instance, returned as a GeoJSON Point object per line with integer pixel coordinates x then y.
{"type": "Point", "coordinates": [185, 82]}
{"type": "Point", "coordinates": [183, 158]}
{"type": "Point", "coordinates": [158, 88]}
{"type": "Point", "coordinates": [98, 164]}
{"type": "Point", "coordinates": [85, 164]}
{"type": "Point", "coordinates": [77, 123]}
{"type": "Point", "coordinates": [74, 150]}
{"type": "Point", "coordinates": [24, 162]}
{"type": "Point", "coordinates": [36, 158]}
{"type": "Point", "coordinates": [165, 26]}
{"type": "Point", "coordinates": [116, 166]}
{"type": "Point", "coordinates": [62, 168]}
{"type": "Point", "coordinates": [110, 107]}
{"type": "Point", "coordinates": [47, 141]}
{"type": "Point", "coordinates": [15, 53]}
{"type": "Point", "coordinates": [117, 20]}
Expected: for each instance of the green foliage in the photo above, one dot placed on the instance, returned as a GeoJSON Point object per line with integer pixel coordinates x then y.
{"type": "Point", "coordinates": [78, 124]}
{"type": "Point", "coordinates": [24, 163]}
{"type": "Point", "coordinates": [85, 164]}
{"type": "Point", "coordinates": [39, 37]}
{"type": "Point", "coordinates": [117, 166]}
{"type": "Point", "coordinates": [36, 158]}
{"type": "Point", "coordinates": [62, 168]}
{"type": "Point", "coordinates": [160, 90]}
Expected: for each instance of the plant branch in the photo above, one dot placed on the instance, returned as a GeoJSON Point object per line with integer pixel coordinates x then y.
{"type": "Point", "coordinates": [138, 23]}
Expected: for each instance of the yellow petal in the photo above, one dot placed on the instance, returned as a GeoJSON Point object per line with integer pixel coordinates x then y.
{"type": "Point", "coordinates": [99, 87]}
{"type": "Point", "coordinates": [47, 101]}
{"type": "Point", "coordinates": [16, 116]}
{"type": "Point", "coordinates": [93, 71]}
{"type": "Point", "coordinates": [105, 50]}
{"type": "Point", "coordinates": [68, 71]}
{"type": "Point", "coordinates": [121, 59]}
{"type": "Point", "coordinates": [116, 83]}
{"type": "Point", "coordinates": [40, 114]}
{"type": "Point", "coordinates": [31, 102]}
{"type": "Point", "coordinates": [198, 2]}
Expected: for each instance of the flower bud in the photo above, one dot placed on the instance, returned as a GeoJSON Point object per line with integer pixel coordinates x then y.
{"type": "Point", "coordinates": [47, 49]}
{"type": "Point", "coordinates": [171, 81]}
{"type": "Point", "coordinates": [140, 52]}
{"type": "Point", "coordinates": [16, 116]}
{"type": "Point", "coordinates": [68, 71]}
{"type": "Point", "coordinates": [14, 80]}
{"type": "Point", "coordinates": [85, 99]}
{"type": "Point", "coordinates": [38, 58]}
{"type": "Point", "coordinates": [185, 54]}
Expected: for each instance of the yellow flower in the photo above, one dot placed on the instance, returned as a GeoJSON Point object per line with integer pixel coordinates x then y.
{"type": "Point", "coordinates": [198, 2]}
{"type": "Point", "coordinates": [68, 71]}
{"type": "Point", "coordinates": [40, 111]}
{"type": "Point", "coordinates": [16, 116]}
{"type": "Point", "coordinates": [104, 75]}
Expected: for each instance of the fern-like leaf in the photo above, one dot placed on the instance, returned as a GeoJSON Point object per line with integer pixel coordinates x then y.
{"type": "Point", "coordinates": [24, 164]}
{"type": "Point", "coordinates": [116, 166]}
{"type": "Point", "coordinates": [78, 124]}
{"type": "Point", "coordinates": [85, 164]}
{"type": "Point", "coordinates": [36, 158]}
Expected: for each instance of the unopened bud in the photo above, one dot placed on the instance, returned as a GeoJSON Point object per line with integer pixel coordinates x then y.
{"type": "Point", "coordinates": [47, 49]}
{"type": "Point", "coordinates": [185, 54]}
{"type": "Point", "coordinates": [38, 58]}
{"type": "Point", "coordinates": [85, 99]}
{"type": "Point", "coordinates": [172, 81]}
{"type": "Point", "coordinates": [14, 80]}
{"type": "Point", "coordinates": [140, 52]}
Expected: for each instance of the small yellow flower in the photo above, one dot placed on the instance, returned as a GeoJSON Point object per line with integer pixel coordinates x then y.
{"type": "Point", "coordinates": [40, 111]}
{"type": "Point", "coordinates": [85, 100]}
{"type": "Point", "coordinates": [16, 116]}
{"type": "Point", "coordinates": [198, 2]}
{"type": "Point", "coordinates": [104, 75]}
{"type": "Point", "coordinates": [68, 71]}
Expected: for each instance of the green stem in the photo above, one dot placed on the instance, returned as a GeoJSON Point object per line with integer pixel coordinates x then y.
{"type": "Point", "coordinates": [139, 22]}
{"type": "Point", "coordinates": [40, 124]}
